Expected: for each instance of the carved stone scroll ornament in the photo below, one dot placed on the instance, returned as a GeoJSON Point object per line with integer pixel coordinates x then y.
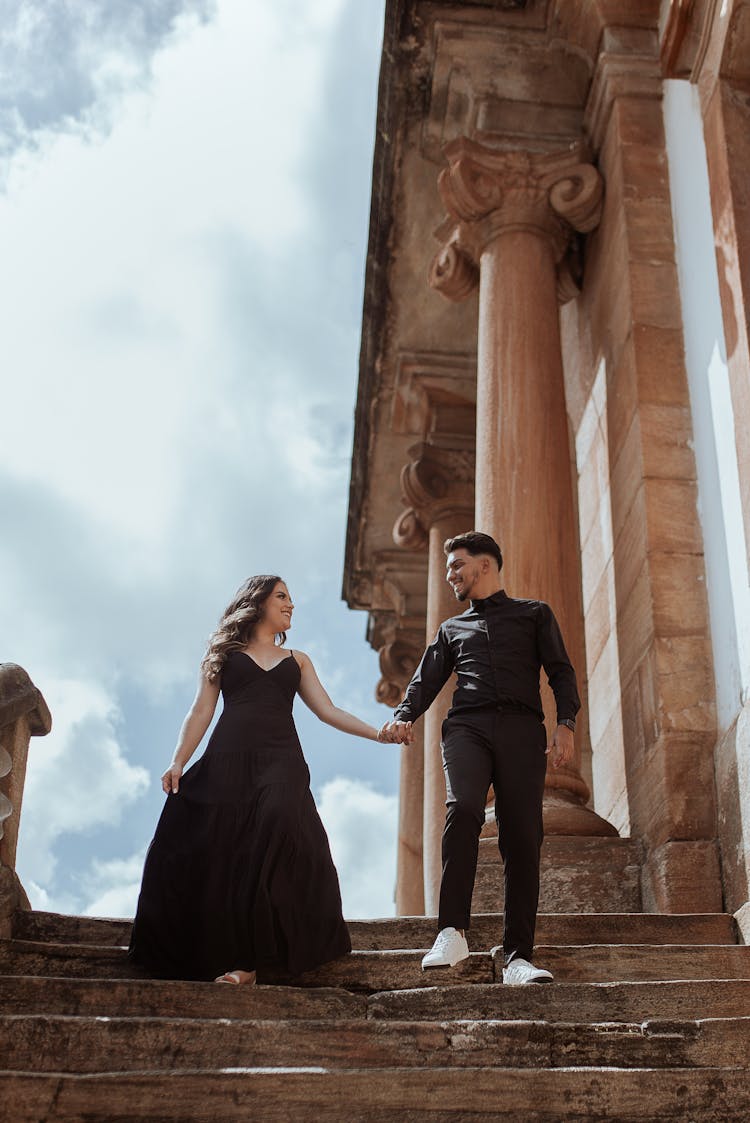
{"type": "Point", "coordinates": [397, 663]}
{"type": "Point", "coordinates": [453, 273]}
{"type": "Point", "coordinates": [408, 531]}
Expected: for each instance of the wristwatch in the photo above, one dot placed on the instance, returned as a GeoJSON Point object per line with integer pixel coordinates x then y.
{"type": "Point", "coordinates": [569, 722]}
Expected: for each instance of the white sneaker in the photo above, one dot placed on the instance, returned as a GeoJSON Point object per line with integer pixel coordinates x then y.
{"type": "Point", "coordinates": [449, 948]}
{"type": "Point", "coordinates": [520, 971]}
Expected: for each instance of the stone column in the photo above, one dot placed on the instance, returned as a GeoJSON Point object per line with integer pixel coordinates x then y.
{"type": "Point", "coordinates": [397, 663]}
{"type": "Point", "coordinates": [512, 222]}
{"type": "Point", "coordinates": [437, 483]}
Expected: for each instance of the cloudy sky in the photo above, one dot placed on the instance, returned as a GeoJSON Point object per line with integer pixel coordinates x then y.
{"type": "Point", "coordinates": [184, 197]}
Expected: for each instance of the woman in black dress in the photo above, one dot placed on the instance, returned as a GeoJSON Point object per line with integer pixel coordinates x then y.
{"type": "Point", "coordinates": [239, 875]}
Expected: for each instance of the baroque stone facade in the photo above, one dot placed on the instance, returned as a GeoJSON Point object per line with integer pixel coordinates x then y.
{"type": "Point", "coordinates": [555, 350]}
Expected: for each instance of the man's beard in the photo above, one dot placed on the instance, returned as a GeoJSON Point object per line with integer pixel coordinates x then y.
{"type": "Point", "coordinates": [462, 595]}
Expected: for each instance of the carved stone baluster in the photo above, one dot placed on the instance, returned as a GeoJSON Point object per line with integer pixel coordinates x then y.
{"type": "Point", "coordinates": [23, 714]}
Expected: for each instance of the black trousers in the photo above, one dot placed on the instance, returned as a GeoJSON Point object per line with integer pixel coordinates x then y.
{"type": "Point", "coordinates": [506, 749]}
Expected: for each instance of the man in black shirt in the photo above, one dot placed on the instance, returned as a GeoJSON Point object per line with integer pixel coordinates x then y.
{"type": "Point", "coordinates": [494, 734]}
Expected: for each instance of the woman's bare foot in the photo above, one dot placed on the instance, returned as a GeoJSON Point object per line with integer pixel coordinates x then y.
{"type": "Point", "coordinates": [237, 978]}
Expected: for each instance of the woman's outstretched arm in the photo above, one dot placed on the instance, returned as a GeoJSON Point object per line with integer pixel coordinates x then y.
{"type": "Point", "coordinates": [197, 721]}
{"type": "Point", "coordinates": [313, 694]}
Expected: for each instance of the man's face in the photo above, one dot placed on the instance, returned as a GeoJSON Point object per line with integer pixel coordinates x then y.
{"type": "Point", "coordinates": [462, 571]}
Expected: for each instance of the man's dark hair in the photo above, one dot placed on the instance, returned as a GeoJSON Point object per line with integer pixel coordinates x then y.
{"type": "Point", "coordinates": [475, 543]}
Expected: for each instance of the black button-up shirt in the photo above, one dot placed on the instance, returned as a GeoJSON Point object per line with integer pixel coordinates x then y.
{"type": "Point", "coordinates": [497, 649]}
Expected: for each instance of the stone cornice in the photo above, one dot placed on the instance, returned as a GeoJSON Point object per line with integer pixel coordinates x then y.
{"type": "Point", "coordinates": [626, 67]}
{"type": "Point", "coordinates": [435, 391]}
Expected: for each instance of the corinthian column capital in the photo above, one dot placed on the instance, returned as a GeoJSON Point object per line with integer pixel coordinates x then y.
{"type": "Point", "coordinates": [488, 191]}
{"type": "Point", "coordinates": [520, 186]}
{"type": "Point", "coordinates": [436, 481]}
{"type": "Point", "coordinates": [398, 661]}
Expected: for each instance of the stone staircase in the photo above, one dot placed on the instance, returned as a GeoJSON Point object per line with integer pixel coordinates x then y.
{"type": "Point", "coordinates": [648, 1019]}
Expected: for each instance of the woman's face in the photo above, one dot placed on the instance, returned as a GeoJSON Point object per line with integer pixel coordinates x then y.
{"type": "Point", "coordinates": [278, 609]}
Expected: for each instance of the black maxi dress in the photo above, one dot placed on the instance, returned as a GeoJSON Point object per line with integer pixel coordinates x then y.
{"type": "Point", "coordinates": [239, 874]}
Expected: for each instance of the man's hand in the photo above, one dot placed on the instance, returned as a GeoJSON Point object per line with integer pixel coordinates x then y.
{"type": "Point", "coordinates": [562, 746]}
{"type": "Point", "coordinates": [396, 733]}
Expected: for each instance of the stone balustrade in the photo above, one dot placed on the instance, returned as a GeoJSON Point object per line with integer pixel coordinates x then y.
{"type": "Point", "coordinates": [23, 715]}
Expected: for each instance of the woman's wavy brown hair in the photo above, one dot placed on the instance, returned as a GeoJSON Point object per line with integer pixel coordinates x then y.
{"type": "Point", "coordinates": [237, 623]}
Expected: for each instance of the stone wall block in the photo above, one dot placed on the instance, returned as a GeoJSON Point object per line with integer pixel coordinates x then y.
{"type": "Point", "coordinates": [678, 591]}
{"type": "Point", "coordinates": [637, 122]}
{"type": "Point", "coordinates": [631, 544]}
{"type": "Point", "coordinates": [626, 476]}
{"type": "Point", "coordinates": [682, 877]}
{"type": "Point", "coordinates": [635, 624]}
{"type": "Point", "coordinates": [667, 434]}
{"type": "Point", "coordinates": [645, 175]}
{"type": "Point", "coordinates": [686, 692]}
{"type": "Point", "coordinates": [672, 516]}
{"type": "Point", "coordinates": [670, 808]}
{"type": "Point", "coordinates": [622, 392]}
{"type": "Point", "coordinates": [649, 230]}
{"type": "Point", "coordinates": [659, 357]}
{"type": "Point", "coordinates": [655, 294]}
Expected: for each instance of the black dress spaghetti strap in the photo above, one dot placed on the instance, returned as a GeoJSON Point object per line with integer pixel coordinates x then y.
{"type": "Point", "coordinates": [239, 874]}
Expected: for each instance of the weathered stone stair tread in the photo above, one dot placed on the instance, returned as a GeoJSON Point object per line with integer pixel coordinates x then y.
{"type": "Point", "coordinates": [383, 1095]}
{"type": "Point", "coordinates": [568, 1002]}
{"type": "Point", "coordinates": [597, 1002]}
{"type": "Point", "coordinates": [555, 928]}
{"type": "Point", "coordinates": [361, 970]}
{"type": "Point", "coordinates": [22, 994]}
{"type": "Point", "coordinates": [603, 962]}
{"type": "Point", "coordinates": [419, 931]}
{"type": "Point", "coordinates": [380, 970]}
{"type": "Point", "coordinates": [39, 1043]}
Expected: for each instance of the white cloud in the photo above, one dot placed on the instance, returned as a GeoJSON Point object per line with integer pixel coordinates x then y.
{"type": "Point", "coordinates": [362, 827]}
{"type": "Point", "coordinates": [113, 886]}
{"type": "Point", "coordinates": [78, 778]}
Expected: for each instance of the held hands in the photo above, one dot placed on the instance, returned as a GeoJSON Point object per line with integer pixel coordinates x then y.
{"type": "Point", "coordinates": [562, 746]}
{"type": "Point", "coordinates": [396, 733]}
{"type": "Point", "coordinates": [170, 781]}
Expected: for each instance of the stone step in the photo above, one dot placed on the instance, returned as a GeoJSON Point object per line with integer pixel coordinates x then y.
{"type": "Point", "coordinates": [577, 875]}
{"type": "Point", "coordinates": [383, 1095]}
{"type": "Point", "coordinates": [23, 994]}
{"type": "Point", "coordinates": [554, 928]}
{"type": "Point", "coordinates": [388, 970]}
{"type": "Point", "coordinates": [44, 1043]}
{"type": "Point", "coordinates": [569, 1002]}
{"type": "Point", "coordinates": [419, 931]}
{"type": "Point", "coordinates": [566, 1002]}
